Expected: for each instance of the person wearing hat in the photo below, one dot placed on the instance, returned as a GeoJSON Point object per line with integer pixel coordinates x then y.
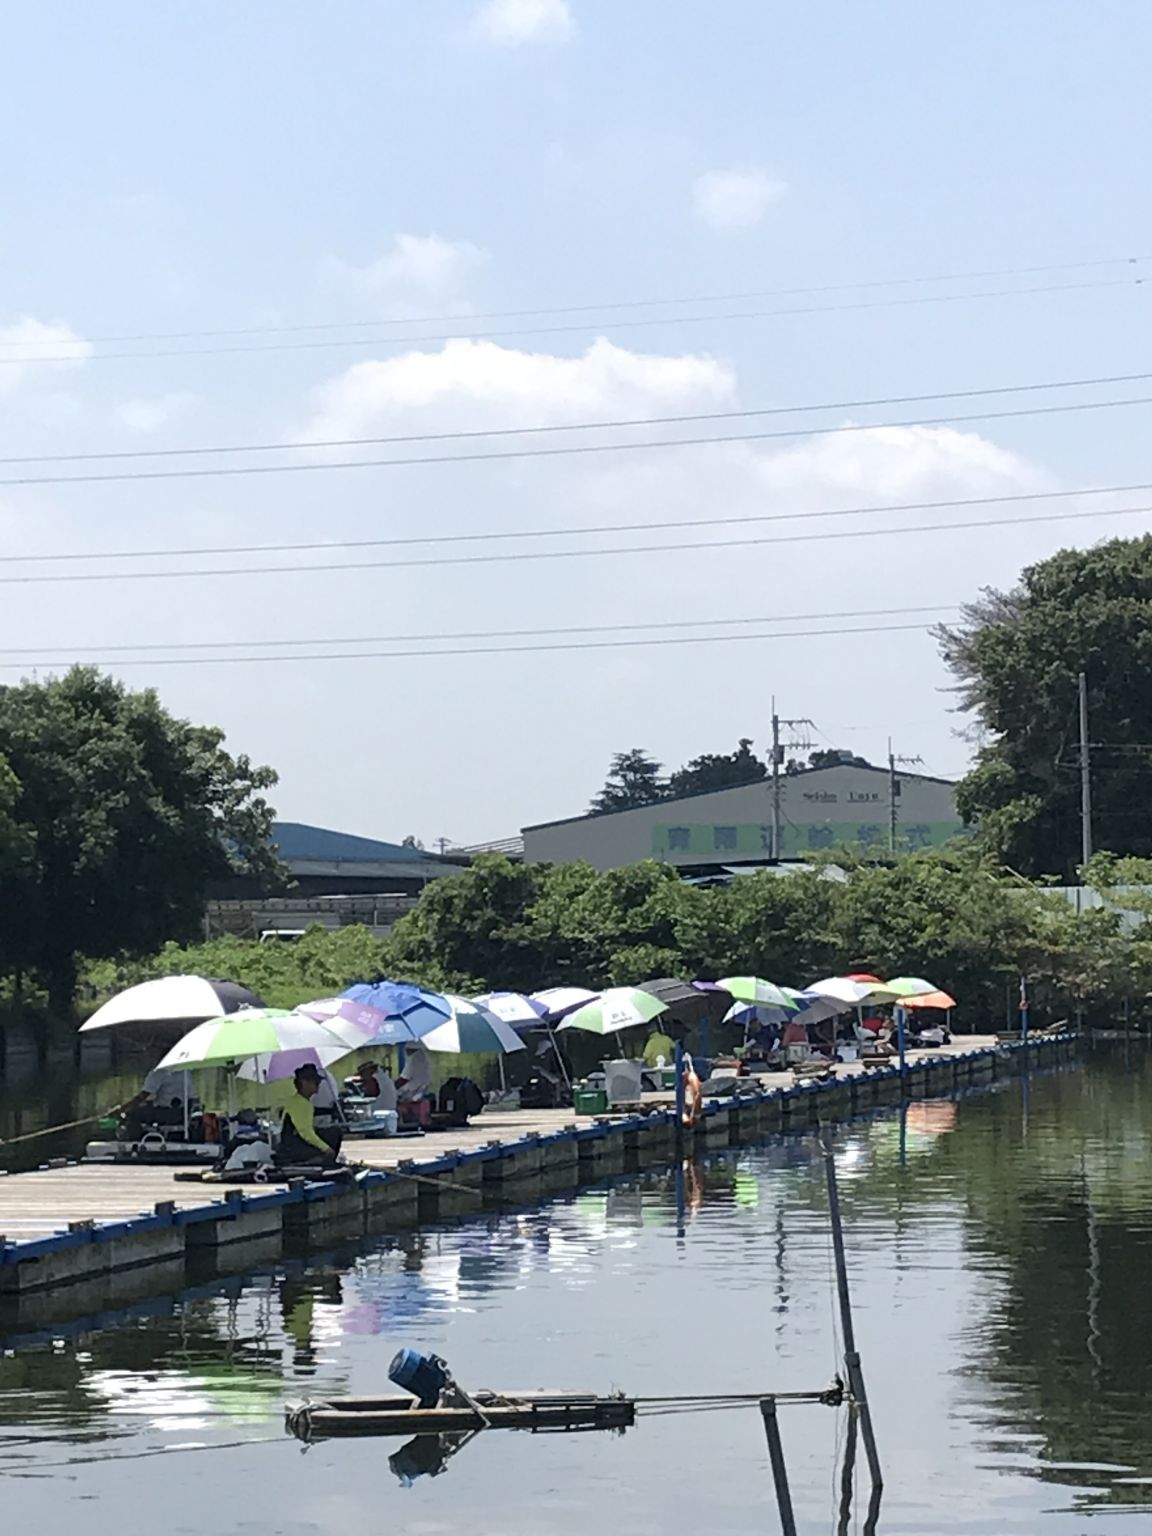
{"type": "Point", "coordinates": [302, 1145]}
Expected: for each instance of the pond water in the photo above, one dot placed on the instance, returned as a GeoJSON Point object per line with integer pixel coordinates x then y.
{"type": "Point", "coordinates": [999, 1251]}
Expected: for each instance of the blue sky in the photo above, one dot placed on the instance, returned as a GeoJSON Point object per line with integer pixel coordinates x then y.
{"type": "Point", "coordinates": [202, 168]}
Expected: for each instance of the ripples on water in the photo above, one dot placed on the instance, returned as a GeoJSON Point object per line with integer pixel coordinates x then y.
{"type": "Point", "coordinates": [999, 1250]}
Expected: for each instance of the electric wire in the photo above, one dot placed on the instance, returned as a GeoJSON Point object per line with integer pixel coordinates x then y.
{"type": "Point", "coordinates": [534, 555]}
{"type": "Point", "coordinates": [469, 434]}
{"type": "Point", "coordinates": [481, 634]}
{"type": "Point", "coordinates": [570, 450]}
{"type": "Point", "coordinates": [590, 308]}
{"type": "Point", "coordinates": [25, 359]}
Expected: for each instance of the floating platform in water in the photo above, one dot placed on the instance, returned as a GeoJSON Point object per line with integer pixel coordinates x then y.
{"type": "Point", "coordinates": [537, 1412]}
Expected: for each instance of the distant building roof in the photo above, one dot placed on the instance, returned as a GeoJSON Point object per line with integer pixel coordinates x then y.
{"type": "Point", "coordinates": [299, 843]}
{"type": "Point", "coordinates": [698, 794]}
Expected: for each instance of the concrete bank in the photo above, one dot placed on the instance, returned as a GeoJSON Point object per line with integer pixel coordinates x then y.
{"type": "Point", "coordinates": [86, 1238]}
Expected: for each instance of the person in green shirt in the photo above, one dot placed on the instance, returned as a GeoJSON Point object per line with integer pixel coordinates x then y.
{"type": "Point", "coordinates": [659, 1044]}
{"type": "Point", "coordinates": [301, 1144]}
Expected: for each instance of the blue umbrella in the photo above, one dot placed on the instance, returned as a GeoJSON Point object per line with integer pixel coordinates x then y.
{"type": "Point", "coordinates": [513, 1008]}
{"type": "Point", "coordinates": [409, 1012]}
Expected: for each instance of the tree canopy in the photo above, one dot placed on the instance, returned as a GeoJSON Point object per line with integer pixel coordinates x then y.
{"type": "Point", "coordinates": [1016, 657]}
{"type": "Point", "coordinates": [114, 819]}
{"type": "Point", "coordinates": [633, 779]}
{"type": "Point", "coordinates": [718, 770]}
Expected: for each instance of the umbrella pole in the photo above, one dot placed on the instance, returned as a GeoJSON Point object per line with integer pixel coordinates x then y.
{"type": "Point", "coordinates": [503, 1080]}
{"type": "Point", "coordinates": [187, 1107]}
{"type": "Point", "coordinates": [560, 1062]}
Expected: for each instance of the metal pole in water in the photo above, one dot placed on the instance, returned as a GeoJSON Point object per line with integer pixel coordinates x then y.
{"type": "Point", "coordinates": [847, 1476]}
{"type": "Point", "coordinates": [679, 1063]}
{"type": "Point", "coordinates": [779, 1470]}
{"type": "Point", "coordinates": [851, 1357]}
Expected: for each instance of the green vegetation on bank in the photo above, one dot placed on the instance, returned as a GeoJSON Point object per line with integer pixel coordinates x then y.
{"type": "Point", "coordinates": [953, 916]}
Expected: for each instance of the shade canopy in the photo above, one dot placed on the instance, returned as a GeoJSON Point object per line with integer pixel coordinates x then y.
{"type": "Point", "coordinates": [904, 987]}
{"type": "Point", "coordinates": [173, 1000]}
{"type": "Point", "coordinates": [929, 1000]}
{"type": "Point", "coordinates": [558, 1001]}
{"type": "Point", "coordinates": [616, 1009]}
{"type": "Point", "coordinates": [251, 1032]}
{"type": "Point", "coordinates": [408, 1012]}
{"type": "Point", "coordinates": [853, 994]}
{"type": "Point", "coordinates": [513, 1008]}
{"type": "Point", "coordinates": [277, 1066]}
{"type": "Point", "coordinates": [684, 999]}
{"type": "Point", "coordinates": [754, 989]}
{"type": "Point", "coordinates": [474, 1030]}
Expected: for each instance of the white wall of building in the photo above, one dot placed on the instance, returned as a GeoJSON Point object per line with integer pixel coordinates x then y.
{"type": "Point", "coordinates": [820, 808]}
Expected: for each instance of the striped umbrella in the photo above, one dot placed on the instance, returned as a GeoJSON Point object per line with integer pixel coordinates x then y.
{"type": "Point", "coordinates": [472, 1029]}
{"type": "Point", "coordinates": [250, 1032]}
{"type": "Point", "coordinates": [561, 1000]}
{"type": "Point", "coordinates": [513, 1008]}
{"type": "Point", "coordinates": [909, 986]}
{"type": "Point", "coordinates": [616, 1009]}
{"type": "Point", "coordinates": [754, 989]}
{"type": "Point", "coordinates": [408, 1012]}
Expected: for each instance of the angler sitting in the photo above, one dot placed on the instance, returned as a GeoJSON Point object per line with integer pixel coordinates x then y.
{"type": "Point", "coordinates": [302, 1143]}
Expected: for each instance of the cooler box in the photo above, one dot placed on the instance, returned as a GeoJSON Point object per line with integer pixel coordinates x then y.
{"type": "Point", "coordinates": [624, 1081]}
{"type": "Point", "coordinates": [589, 1101]}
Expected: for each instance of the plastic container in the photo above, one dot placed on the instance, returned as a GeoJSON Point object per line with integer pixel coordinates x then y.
{"type": "Point", "coordinates": [624, 1081]}
{"type": "Point", "coordinates": [589, 1101]}
{"type": "Point", "coordinates": [424, 1376]}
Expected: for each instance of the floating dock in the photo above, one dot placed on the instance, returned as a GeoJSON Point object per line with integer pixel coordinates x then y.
{"type": "Point", "coordinates": [86, 1238]}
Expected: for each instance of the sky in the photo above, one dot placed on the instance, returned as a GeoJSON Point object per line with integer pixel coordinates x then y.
{"type": "Point", "coordinates": [283, 224]}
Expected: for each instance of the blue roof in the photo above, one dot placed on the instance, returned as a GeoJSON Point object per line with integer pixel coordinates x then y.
{"type": "Point", "coordinates": [295, 841]}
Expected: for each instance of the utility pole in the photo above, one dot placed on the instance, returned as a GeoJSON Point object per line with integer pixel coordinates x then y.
{"type": "Point", "coordinates": [1085, 779]}
{"type": "Point", "coordinates": [894, 792]}
{"type": "Point", "coordinates": [777, 760]}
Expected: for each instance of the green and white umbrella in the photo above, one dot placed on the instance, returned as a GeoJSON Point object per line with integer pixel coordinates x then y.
{"type": "Point", "coordinates": [754, 989]}
{"type": "Point", "coordinates": [472, 1029]}
{"type": "Point", "coordinates": [616, 1009]}
{"type": "Point", "coordinates": [910, 986]}
{"type": "Point", "coordinates": [252, 1032]}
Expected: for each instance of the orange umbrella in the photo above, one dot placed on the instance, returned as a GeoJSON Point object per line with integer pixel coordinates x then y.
{"type": "Point", "coordinates": [929, 1000]}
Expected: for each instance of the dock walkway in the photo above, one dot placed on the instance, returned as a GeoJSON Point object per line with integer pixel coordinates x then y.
{"type": "Point", "coordinates": [104, 1229]}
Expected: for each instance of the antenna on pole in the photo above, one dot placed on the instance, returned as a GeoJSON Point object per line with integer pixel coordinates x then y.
{"type": "Point", "coordinates": [894, 788]}
{"type": "Point", "coordinates": [794, 744]}
{"type": "Point", "coordinates": [1085, 778]}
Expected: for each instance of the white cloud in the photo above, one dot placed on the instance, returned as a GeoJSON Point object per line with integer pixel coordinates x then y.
{"type": "Point", "coordinates": [508, 23]}
{"type": "Point", "coordinates": [150, 414]}
{"type": "Point", "coordinates": [412, 264]}
{"type": "Point", "coordinates": [736, 199]}
{"type": "Point", "coordinates": [479, 383]}
{"type": "Point", "coordinates": [24, 341]}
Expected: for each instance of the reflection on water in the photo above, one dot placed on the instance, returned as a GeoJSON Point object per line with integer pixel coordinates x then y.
{"type": "Point", "coordinates": [999, 1248]}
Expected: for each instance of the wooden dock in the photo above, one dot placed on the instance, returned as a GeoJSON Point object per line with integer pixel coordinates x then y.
{"type": "Point", "coordinates": [99, 1230]}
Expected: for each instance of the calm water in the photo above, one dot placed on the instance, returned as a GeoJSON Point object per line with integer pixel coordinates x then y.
{"type": "Point", "coordinates": [1000, 1252]}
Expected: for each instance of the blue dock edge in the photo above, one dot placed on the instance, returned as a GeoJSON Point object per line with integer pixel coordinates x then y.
{"type": "Point", "coordinates": [937, 1074]}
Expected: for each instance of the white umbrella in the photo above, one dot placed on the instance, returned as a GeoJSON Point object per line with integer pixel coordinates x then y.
{"type": "Point", "coordinates": [561, 1000]}
{"type": "Point", "coordinates": [513, 1008]}
{"type": "Point", "coordinates": [173, 1000]}
{"type": "Point", "coordinates": [472, 1029]}
{"type": "Point", "coordinates": [853, 994]}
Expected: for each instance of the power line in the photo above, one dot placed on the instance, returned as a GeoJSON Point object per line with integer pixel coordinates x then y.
{"type": "Point", "coordinates": [314, 546]}
{"type": "Point", "coordinates": [562, 554]}
{"type": "Point", "coordinates": [479, 634]}
{"type": "Point", "coordinates": [469, 434]}
{"type": "Point", "coordinates": [569, 450]}
{"type": "Point", "coordinates": [472, 650]}
{"type": "Point", "coordinates": [424, 338]}
{"type": "Point", "coordinates": [584, 309]}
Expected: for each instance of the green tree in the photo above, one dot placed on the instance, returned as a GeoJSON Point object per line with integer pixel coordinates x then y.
{"type": "Point", "coordinates": [718, 770]}
{"type": "Point", "coordinates": [1015, 657]}
{"type": "Point", "coordinates": [127, 815]}
{"type": "Point", "coordinates": [633, 779]}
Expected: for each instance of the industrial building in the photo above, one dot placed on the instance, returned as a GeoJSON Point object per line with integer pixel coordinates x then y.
{"type": "Point", "coordinates": [843, 804]}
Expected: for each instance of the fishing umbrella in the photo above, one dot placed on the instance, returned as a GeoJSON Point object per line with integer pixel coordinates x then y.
{"type": "Point", "coordinates": [525, 1013]}
{"type": "Point", "coordinates": [356, 1022]}
{"type": "Point", "coordinates": [929, 1000]}
{"type": "Point", "coordinates": [561, 1000]}
{"type": "Point", "coordinates": [252, 1032]}
{"type": "Point", "coordinates": [904, 987]}
{"type": "Point", "coordinates": [277, 1066]}
{"type": "Point", "coordinates": [173, 1000]}
{"type": "Point", "coordinates": [472, 1029]}
{"type": "Point", "coordinates": [513, 1008]}
{"type": "Point", "coordinates": [409, 1012]}
{"type": "Point", "coordinates": [852, 994]}
{"type": "Point", "coordinates": [754, 989]}
{"type": "Point", "coordinates": [616, 1009]}
{"type": "Point", "coordinates": [685, 1000]}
